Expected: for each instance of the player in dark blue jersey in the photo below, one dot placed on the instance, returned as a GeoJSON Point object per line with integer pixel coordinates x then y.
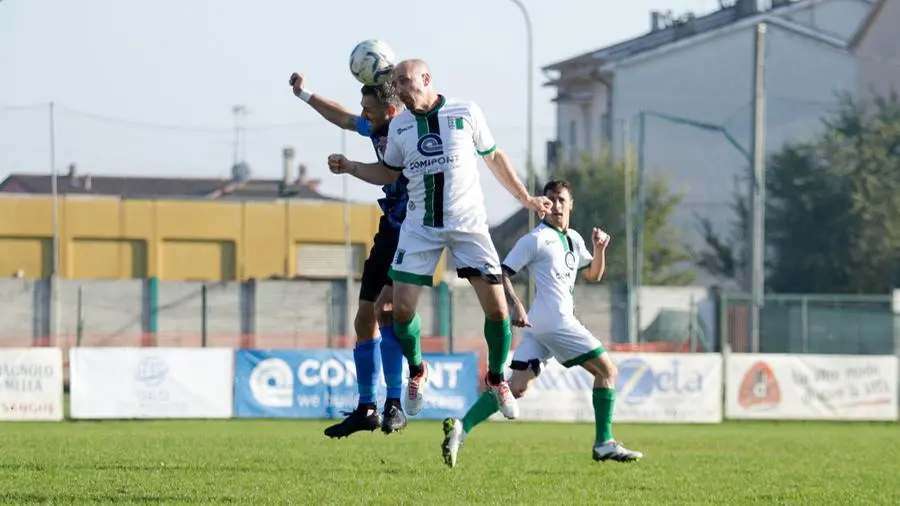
{"type": "Point", "coordinates": [375, 295]}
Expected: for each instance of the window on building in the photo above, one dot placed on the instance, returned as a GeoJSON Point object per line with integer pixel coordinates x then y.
{"type": "Point", "coordinates": [588, 135]}
{"type": "Point", "coordinates": [573, 140]}
{"type": "Point", "coordinates": [605, 128]}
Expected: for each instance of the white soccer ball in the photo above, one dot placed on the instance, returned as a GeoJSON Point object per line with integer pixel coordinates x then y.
{"type": "Point", "coordinates": [372, 61]}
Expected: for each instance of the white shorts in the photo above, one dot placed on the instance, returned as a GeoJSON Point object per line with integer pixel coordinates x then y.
{"type": "Point", "coordinates": [571, 345]}
{"type": "Point", "coordinates": [419, 251]}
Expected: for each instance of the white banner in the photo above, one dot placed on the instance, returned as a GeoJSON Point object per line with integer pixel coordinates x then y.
{"type": "Point", "coordinates": [651, 387]}
{"type": "Point", "coordinates": [811, 387]}
{"type": "Point", "coordinates": [31, 384]}
{"type": "Point", "coordinates": [151, 382]}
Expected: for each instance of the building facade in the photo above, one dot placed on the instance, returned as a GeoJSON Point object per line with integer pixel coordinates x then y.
{"type": "Point", "coordinates": [693, 79]}
{"type": "Point", "coordinates": [176, 239]}
{"type": "Point", "coordinates": [877, 50]}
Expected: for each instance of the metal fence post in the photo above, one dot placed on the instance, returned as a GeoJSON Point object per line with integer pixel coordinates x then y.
{"type": "Point", "coordinates": [79, 328]}
{"type": "Point", "coordinates": [204, 311]}
{"type": "Point", "coordinates": [691, 309]}
{"type": "Point", "coordinates": [329, 315]}
{"type": "Point", "coordinates": [722, 305]}
{"type": "Point", "coordinates": [153, 309]}
{"type": "Point", "coordinates": [804, 323]}
{"type": "Point", "coordinates": [451, 339]}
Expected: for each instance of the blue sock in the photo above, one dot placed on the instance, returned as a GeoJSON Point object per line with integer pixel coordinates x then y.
{"type": "Point", "coordinates": [392, 361]}
{"type": "Point", "coordinates": [367, 356]}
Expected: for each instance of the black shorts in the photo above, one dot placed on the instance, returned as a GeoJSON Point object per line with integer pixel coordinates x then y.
{"type": "Point", "coordinates": [375, 271]}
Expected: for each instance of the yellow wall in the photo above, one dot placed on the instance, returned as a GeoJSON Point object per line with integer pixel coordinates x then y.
{"type": "Point", "coordinates": [171, 239]}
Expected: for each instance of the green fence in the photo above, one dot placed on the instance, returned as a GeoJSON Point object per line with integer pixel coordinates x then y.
{"type": "Point", "coordinates": [824, 324]}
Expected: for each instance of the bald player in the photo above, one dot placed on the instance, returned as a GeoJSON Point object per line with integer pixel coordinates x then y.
{"type": "Point", "coordinates": [435, 143]}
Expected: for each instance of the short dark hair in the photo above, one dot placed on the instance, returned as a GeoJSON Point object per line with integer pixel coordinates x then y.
{"type": "Point", "coordinates": [383, 93]}
{"type": "Point", "coordinates": [556, 186]}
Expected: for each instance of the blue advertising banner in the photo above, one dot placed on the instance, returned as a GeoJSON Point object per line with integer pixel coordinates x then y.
{"type": "Point", "coordinates": [322, 383]}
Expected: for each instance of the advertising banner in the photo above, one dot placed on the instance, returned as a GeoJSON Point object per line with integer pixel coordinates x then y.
{"type": "Point", "coordinates": [31, 384]}
{"type": "Point", "coordinates": [322, 383]}
{"type": "Point", "coordinates": [151, 382]}
{"type": "Point", "coordinates": [811, 387]}
{"type": "Point", "coordinates": [650, 387]}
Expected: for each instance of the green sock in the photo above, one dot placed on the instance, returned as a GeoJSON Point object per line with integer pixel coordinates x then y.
{"type": "Point", "coordinates": [484, 407]}
{"type": "Point", "coordinates": [604, 402]}
{"type": "Point", "coordinates": [499, 337]}
{"type": "Point", "coordinates": [408, 334]}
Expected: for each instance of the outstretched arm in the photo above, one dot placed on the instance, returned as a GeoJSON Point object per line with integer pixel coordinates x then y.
{"type": "Point", "coordinates": [501, 167]}
{"type": "Point", "coordinates": [375, 173]}
{"type": "Point", "coordinates": [332, 111]}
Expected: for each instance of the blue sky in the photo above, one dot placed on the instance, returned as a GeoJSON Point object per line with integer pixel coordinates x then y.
{"type": "Point", "coordinates": [173, 69]}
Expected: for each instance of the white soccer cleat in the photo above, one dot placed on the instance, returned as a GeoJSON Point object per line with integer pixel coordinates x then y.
{"type": "Point", "coordinates": [508, 405]}
{"type": "Point", "coordinates": [454, 436]}
{"type": "Point", "coordinates": [613, 450]}
{"type": "Point", "coordinates": [414, 387]}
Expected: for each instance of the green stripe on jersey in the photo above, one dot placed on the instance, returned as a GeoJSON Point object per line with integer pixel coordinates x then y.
{"type": "Point", "coordinates": [434, 183]}
{"type": "Point", "coordinates": [434, 200]}
{"type": "Point", "coordinates": [422, 125]}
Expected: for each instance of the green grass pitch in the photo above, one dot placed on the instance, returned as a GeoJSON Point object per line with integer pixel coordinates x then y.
{"type": "Point", "coordinates": [504, 463]}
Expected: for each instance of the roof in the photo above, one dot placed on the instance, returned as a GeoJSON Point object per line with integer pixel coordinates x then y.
{"type": "Point", "coordinates": [150, 187]}
{"type": "Point", "coordinates": [867, 23]}
{"type": "Point", "coordinates": [692, 30]}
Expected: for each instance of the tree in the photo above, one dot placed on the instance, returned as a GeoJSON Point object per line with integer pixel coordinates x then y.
{"type": "Point", "coordinates": [599, 196]}
{"type": "Point", "coordinates": [832, 207]}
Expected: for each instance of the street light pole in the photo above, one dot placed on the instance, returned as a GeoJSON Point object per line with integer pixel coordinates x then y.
{"type": "Point", "coordinates": [529, 163]}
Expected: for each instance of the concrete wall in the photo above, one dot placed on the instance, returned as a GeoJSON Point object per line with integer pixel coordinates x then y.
{"type": "Point", "coordinates": [312, 314]}
{"type": "Point", "coordinates": [266, 314]}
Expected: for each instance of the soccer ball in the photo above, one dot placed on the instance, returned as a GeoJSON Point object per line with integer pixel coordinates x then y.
{"type": "Point", "coordinates": [372, 61]}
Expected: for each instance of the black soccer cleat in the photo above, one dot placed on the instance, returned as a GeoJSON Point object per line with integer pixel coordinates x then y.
{"type": "Point", "coordinates": [393, 419]}
{"type": "Point", "coordinates": [362, 418]}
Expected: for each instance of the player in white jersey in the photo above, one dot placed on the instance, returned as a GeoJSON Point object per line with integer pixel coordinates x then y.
{"type": "Point", "coordinates": [435, 143]}
{"type": "Point", "coordinates": [553, 254]}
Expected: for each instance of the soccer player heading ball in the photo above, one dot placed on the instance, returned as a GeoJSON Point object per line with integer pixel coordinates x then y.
{"type": "Point", "coordinates": [433, 143]}
{"type": "Point", "coordinates": [553, 253]}
{"type": "Point", "coordinates": [374, 312]}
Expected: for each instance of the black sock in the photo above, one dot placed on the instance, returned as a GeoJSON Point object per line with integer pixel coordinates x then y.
{"type": "Point", "coordinates": [363, 406]}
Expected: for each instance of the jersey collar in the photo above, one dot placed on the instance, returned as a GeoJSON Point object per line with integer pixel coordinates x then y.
{"type": "Point", "coordinates": [563, 232]}
{"type": "Point", "coordinates": [434, 109]}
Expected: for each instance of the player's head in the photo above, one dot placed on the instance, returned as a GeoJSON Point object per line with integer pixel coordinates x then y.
{"type": "Point", "coordinates": [412, 84]}
{"type": "Point", "coordinates": [560, 194]}
{"type": "Point", "coordinates": [379, 104]}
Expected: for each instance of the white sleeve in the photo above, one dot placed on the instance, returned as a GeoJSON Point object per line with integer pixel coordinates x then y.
{"type": "Point", "coordinates": [481, 134]}
{"type": "Point", "coordinates": [393, 154]}
{"type": "Point", "coordinates": [522, 254]}
{"type": "Point", "coordinates": [585, 257]}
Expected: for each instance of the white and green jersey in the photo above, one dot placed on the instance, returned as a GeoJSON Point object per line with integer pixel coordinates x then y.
{"type": "Point", "coordinates": [438, 153]}
{"type": "Point", "coordinates": [553, 258]}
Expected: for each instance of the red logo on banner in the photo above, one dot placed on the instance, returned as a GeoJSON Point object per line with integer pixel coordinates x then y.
{"type": "Point", "coordinates": [759, 388]}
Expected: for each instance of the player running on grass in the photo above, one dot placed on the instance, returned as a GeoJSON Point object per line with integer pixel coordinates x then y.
{"type": "Point", "coordinates": [436, 143]}
{"type": "Point", "coordinates": [553, 254]}
{"type": "Point", "coordinates": [374, 310]}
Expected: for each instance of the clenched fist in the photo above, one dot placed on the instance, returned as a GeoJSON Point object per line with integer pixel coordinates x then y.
{"type": "Point", "coordinates": [338, 164]}
{"type": "Point", "coordinates": [297, 81]}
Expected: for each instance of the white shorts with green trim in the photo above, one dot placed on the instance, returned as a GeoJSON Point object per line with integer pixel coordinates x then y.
{"type": "Point", "coordinates": [571, 345]}
{"type": "Point", "coordinates": [420, 249]}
